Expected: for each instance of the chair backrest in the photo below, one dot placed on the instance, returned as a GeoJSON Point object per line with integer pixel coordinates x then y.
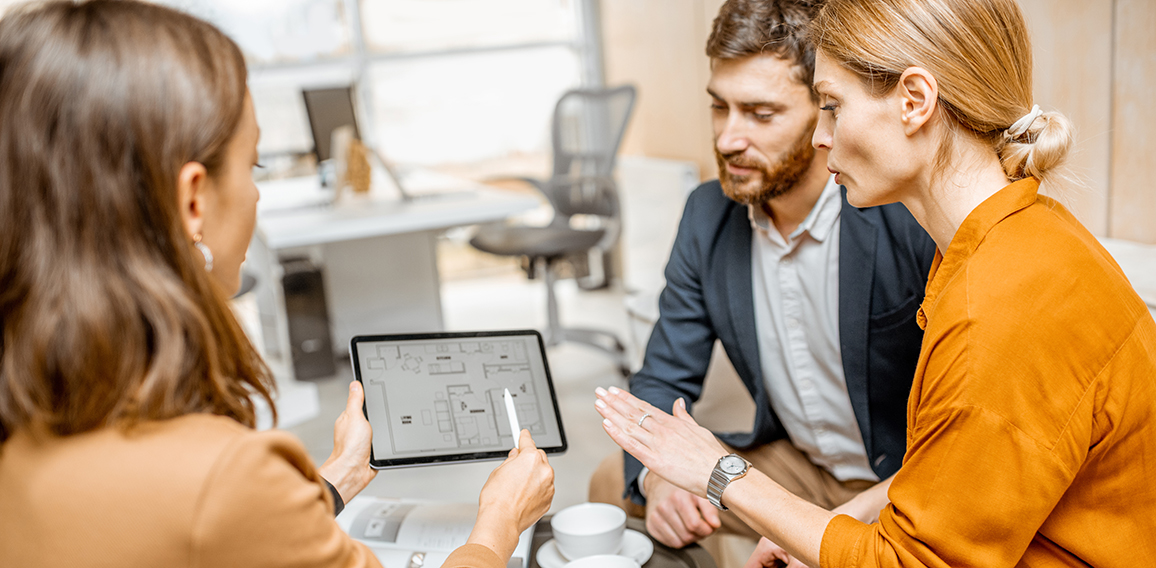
{"type": "Point", "coordinates": [587, 131]}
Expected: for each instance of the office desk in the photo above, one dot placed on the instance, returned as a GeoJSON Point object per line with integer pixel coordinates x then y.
{"type": "Point", "coordinates": [378, 256]}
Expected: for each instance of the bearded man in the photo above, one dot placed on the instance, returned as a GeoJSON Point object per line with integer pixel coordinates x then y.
{"type": "Point", "coordinates": [813, 300]}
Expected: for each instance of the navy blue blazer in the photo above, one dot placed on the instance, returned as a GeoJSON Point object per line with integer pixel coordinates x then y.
{"type": "Point", "coordinates": [884, 260]}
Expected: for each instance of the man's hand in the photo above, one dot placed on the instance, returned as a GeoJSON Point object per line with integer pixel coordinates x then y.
{"type": "Point", "coordinates": [675, 517]}
{"type": "Point", "coordinates": [866, 505]}
{"type": "Point", "coordinates": [770, 555]}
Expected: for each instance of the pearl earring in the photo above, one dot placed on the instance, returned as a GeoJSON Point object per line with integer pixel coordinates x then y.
{"type": "Point", "coordinates": [208, 254]}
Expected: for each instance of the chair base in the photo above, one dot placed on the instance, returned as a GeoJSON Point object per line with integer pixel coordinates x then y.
{"type": "Point", "coordinates": [555, 333]}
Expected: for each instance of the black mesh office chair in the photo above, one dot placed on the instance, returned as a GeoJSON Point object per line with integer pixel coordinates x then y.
{"type": "Point", "coordinates": [587, 130]}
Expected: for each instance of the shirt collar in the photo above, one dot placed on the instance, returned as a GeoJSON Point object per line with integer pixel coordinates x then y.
{"type": "Point", "coordinates": [1005, 202]}
{"type": "Point", "coordinates": [820, 222]}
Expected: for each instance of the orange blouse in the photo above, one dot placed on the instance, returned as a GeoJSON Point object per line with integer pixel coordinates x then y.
{"type": "Point", "coordinates": [1031, 427]}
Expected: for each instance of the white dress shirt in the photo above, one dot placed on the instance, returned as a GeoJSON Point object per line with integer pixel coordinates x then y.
{"type": "Point", "coordinates": [796, 300]}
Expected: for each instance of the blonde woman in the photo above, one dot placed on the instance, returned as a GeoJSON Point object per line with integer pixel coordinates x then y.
{"type": "Point", "coordinates": [127, 142]}
{"type": "Point", "coordinates": [1031, 431]}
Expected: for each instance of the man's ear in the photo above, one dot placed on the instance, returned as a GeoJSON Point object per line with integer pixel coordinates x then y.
{"type": "Point", "coordinates": [192, 184]}
{"type": "Point", "coordinates": [919, 97]}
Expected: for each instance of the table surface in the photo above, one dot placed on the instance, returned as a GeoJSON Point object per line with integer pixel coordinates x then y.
{"type": "Point", "coordinates": [298, 212]}
{"type": "Point", "coordinates": [693, 556]}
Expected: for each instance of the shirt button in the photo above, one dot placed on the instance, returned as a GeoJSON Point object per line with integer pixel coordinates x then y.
{"type": "Point", "coordinates": [792, 323]}
{"type": "Point", "coordinates": [786, 261]}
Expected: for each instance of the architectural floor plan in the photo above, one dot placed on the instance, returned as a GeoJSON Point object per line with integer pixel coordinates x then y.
{"type": "Point", "coordinates": [445, 396]}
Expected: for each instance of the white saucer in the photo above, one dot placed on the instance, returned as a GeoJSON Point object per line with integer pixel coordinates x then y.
{"type": "Point", "coordinates": [634, 545]}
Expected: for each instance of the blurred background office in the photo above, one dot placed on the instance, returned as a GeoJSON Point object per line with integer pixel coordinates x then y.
{"type": "Point", "coordinates": [467, 89]}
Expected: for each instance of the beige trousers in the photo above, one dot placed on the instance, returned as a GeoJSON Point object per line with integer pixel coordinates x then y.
{"type": "Point", "coordinates": [779, 460]}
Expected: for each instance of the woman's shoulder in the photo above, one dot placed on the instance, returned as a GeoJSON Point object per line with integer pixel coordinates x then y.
{"type": "Point", "coordinates": [193, 483]}
{"type": "Point", "coordinates": [1040, 262]}
{"type": "Point", "coordinates": [1040, 316]}
{"type": "Point", "coordinates": [169, 459]}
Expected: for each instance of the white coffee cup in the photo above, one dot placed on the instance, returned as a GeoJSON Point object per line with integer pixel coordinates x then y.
{"type": "Point", "coordinates": [604, 561]}
{"type": "Point", "coordinates": [588, 529]}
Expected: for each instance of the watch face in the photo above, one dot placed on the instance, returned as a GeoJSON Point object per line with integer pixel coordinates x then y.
{"type": "Point", "coordinates": [732, 464]}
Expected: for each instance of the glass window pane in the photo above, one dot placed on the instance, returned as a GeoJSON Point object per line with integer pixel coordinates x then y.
{"type": "Point", "coordinates": [467, 108]}
{"type": "Point", "coordinates": [422, 25]}
{"type": "Point", "coordinates": [278, 31]}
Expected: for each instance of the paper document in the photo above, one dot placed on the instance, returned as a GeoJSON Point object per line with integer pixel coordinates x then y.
{"type": "Point", "coordinates": [398, 529]}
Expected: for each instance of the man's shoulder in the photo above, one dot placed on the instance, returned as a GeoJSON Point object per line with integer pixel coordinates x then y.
{"type": "Point", "coordinates": [709, 197]}
{"type": "Point", "coordinates": [708, 210]}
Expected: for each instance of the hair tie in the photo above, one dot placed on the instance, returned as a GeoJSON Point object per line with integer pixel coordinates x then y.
{"type": "Point", "coordinates": [1021, 126]}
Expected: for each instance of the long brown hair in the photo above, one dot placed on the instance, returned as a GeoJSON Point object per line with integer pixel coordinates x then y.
{"type": "Point", "coordinates": [980, 54]}
{"type": "Point", "coordinates": [107, 315]}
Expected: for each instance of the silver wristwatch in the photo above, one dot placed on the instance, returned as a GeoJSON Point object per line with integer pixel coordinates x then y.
{"type": "Point", "coordinates": [729, 468]}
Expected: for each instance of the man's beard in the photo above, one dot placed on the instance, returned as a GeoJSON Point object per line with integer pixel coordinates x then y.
{"type": "Point", "coordinates": [777, 178]}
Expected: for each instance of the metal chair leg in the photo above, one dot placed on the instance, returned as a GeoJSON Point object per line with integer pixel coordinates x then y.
{"type": "Point", "coordinates": [597, 338]}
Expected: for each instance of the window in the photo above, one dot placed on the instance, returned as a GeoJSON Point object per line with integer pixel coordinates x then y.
{"type": "Point", "coordinates": [278, 31]}
{"type": "Point", "coordinates": [416, 25]}
{"type": "Point", "coordinates": [440, 82]}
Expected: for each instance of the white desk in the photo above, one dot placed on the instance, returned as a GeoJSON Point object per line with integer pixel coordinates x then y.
{"type": "Point", "coordinates": [378, 257]}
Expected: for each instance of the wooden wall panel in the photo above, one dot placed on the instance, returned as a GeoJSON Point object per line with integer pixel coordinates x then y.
{"type": "Point", "coordinates": [1075, 78]}
{"type": "Point", "coordinates": [658, 45]}
{"type": "Point", "coordinates": [1094, 60]}
{"type": "Point", "coordinates": [1133, 199]}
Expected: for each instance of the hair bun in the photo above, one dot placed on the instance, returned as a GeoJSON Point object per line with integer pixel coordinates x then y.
{"type": "Point", "coordinates": [1040, 150]}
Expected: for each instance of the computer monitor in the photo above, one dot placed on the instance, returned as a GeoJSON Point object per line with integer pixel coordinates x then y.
{"type": "Point", "coordinates": [328, 110]}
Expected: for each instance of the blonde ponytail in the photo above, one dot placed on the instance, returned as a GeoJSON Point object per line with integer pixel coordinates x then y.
{"type": "Point", "coordinates": [1039, 151]}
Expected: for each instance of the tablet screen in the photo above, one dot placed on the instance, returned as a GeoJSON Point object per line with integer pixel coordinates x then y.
{"type": "Point", "coordinates": [438, 397]}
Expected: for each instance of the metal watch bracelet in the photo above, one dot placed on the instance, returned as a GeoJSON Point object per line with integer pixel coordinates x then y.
{"type": "Point", "coordinates": [715, 487]}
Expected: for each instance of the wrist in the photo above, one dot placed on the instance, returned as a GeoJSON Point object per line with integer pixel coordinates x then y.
{"type": "Point", "coordinates": [728, 469]}
{"type": "Point", "coordinates": [349, 480]}
{"type": "Point", "coordinates": [496, 530]}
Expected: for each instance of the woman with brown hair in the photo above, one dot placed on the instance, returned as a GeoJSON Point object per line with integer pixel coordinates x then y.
{"type": "Point", "coordinates": [127, 141]}
{"type": "Point", "coordinates": [1031, 429]}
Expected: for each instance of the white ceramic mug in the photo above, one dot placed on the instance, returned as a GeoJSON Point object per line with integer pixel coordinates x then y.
{"type": "Point", "coordinates": [588, 529]}
{"type": "Point", "coordinates": [604, 561]}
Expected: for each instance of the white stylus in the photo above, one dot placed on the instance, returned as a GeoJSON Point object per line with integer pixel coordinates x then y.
{"type": "Point", "coordinates": [514, 427]}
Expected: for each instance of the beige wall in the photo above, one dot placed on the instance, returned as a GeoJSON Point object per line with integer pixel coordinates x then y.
{"type": "Point", "coordinates": [1095, 60]}
{"type": "Point", "coordinates": [659, 46]}
{"type": "Point", "coordinates": [1132, 201]}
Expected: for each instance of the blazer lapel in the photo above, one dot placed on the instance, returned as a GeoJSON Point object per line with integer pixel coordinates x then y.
{"type": "Point", "coordinates": [857, 243]}
{"type": "Point", "coordinates": [735, 247]}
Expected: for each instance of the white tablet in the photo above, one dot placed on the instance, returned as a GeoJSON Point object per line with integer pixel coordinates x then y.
{"type": "Point", "coordinates": [438, 397]}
